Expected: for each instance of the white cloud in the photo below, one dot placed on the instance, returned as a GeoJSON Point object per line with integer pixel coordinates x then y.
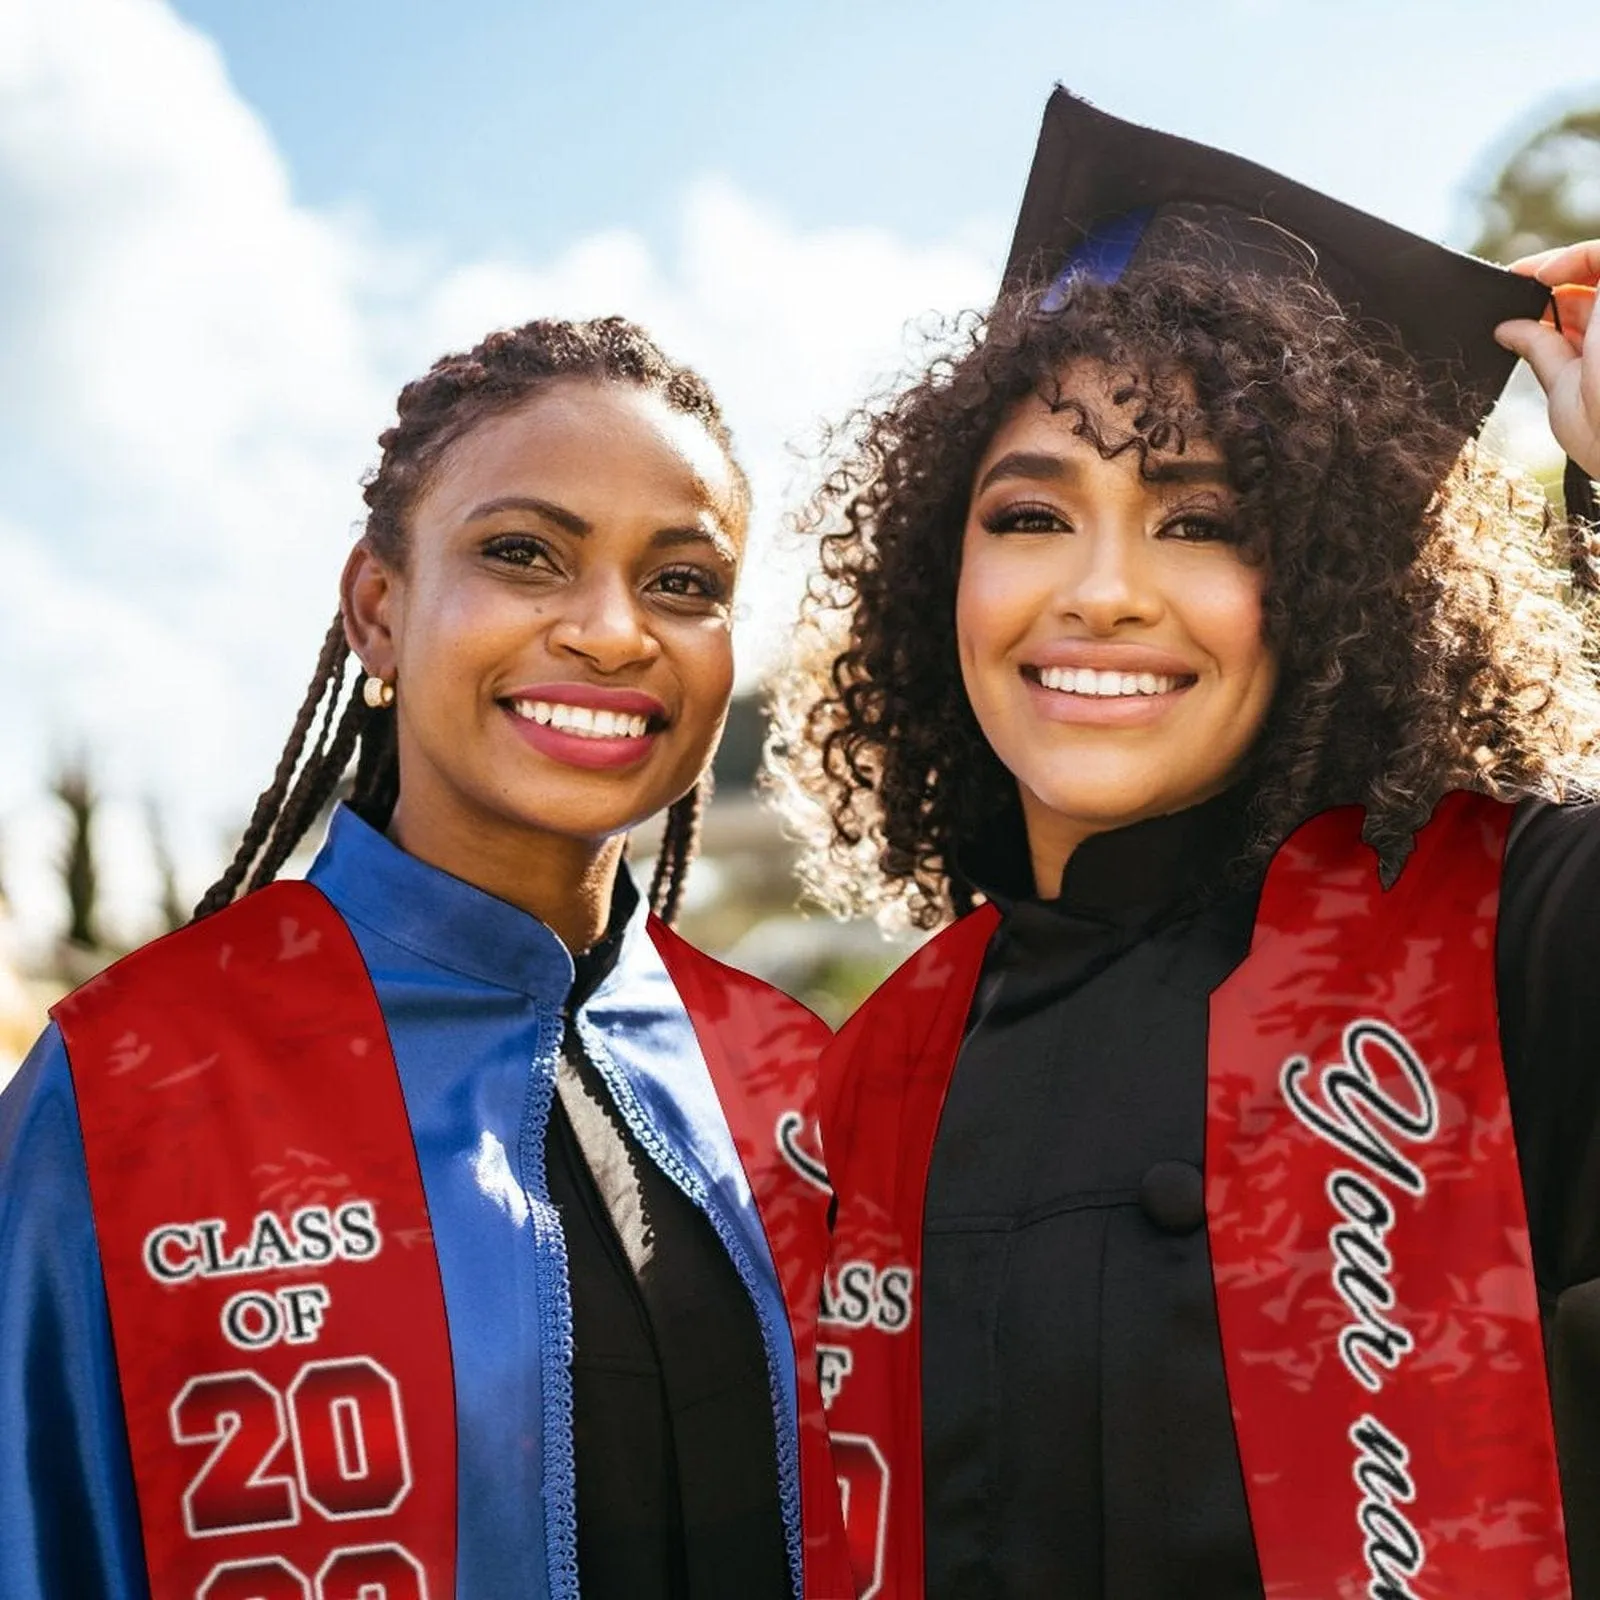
{"type": "Point", "coordinates": [790, 328]}
{"type": "Point", "coordinates": [194, 367]}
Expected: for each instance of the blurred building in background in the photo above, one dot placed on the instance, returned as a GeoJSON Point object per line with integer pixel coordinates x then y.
{"type": "Point", "coordinates": [742, 896]}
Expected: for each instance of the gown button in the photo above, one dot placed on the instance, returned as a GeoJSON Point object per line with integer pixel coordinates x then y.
{"type": "Point", "coordinates": [1173, 1196]}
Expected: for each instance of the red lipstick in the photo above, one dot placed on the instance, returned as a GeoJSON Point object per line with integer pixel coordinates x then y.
{"type": "Point", "coordinates": [578, 747]}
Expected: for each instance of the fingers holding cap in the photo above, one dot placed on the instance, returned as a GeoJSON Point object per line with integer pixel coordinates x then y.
{"type": "Point", "coordinates": [1544, 349]}
{"type": "Point", "coordinates": [1571, 263]}
{"type": "Point", "coordinates": [1575, 306]}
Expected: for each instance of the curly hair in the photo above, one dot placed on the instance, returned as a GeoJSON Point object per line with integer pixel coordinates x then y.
{"type": "Point", "coordinates": [455, 395]}
{"type": "Point", "coordinates": [1430, 618]}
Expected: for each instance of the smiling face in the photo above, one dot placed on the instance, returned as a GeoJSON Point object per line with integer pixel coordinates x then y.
{"type": "Point", "coordinates": [559, 637]}
{"type": "Point", "coordinates": [1109, 629]}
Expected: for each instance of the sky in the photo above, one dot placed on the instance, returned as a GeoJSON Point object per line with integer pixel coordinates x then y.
{"type": "Point", "coordinates": [230, 231]}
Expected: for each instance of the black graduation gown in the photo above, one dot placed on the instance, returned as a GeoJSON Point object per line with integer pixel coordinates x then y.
{"type": "Point", "coordinates": [1076, 1429]}
{"type": "Point", "coordinates": [676, 1452]}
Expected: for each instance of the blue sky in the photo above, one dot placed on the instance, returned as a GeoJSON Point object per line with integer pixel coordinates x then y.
{"type": "Point", "coordinates": [511, 125]}
{"type": "Point", "coordinates": [233, 228]}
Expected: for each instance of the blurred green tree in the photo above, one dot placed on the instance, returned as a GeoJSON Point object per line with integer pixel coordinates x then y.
{"type": "Point", "coordinates": [80, 877]}
{"type": "Point", "coordinates": [1546, 192]}
{"type": "Point", "coordinates": [174, 911]}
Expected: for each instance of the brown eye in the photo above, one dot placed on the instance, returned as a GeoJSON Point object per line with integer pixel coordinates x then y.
{"type": "Point", "coordinates": [518, 550]}
{"type": "Point", "coordinates": [690, 583]}
{"type": "Point", "coordinates": [1198, 529]}
{"type": "Point", "coordinates": [1026, 519]}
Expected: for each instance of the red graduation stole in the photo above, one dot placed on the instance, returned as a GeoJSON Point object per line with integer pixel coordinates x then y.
{"type": "Point", "coordinates": [275, 1301]}
{"type": "Point", "coordinates": [761, 1048]}
{"type": "Point", "coordinates": [1368, 1237]}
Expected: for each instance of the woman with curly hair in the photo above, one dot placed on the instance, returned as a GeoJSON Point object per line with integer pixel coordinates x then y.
{"type": "Point", "coordinates": [1209, 1190]}
{"type": "Point", "coordinates": [421, 1229]}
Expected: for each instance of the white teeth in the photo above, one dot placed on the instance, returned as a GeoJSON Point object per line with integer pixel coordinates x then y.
{"type": "Point", "coordinates": [1085, 680]}
{"type": "Point", "coordinates": [582, 720]}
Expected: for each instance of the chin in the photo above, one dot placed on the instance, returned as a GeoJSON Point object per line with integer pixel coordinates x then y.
{"type": "Point", "coordinates": [590, 822]}
{"type": "Point", "coordinates": [577, 811]}
{"type": "Point", "coordinates": [1114, 800]}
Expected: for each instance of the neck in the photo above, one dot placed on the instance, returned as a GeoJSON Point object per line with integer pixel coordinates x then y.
{"type": "Point", "coordinates": [565, 882]}
{"type": "Point", "coordinates": [1055, 837]}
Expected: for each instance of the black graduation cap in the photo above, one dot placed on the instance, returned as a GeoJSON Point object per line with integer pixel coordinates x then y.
{"type": "Point", "coordinates": [1103, 194]}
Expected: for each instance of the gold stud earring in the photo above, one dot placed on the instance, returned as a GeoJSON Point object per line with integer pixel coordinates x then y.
{"type": "Point", "coordinates": [376, 692]}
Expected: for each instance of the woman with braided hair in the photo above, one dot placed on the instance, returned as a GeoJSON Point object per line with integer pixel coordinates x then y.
{"type": "Point", "coordinates": [1218, 1190]}
{"type": "Point", "coordinates": [422, 1229]}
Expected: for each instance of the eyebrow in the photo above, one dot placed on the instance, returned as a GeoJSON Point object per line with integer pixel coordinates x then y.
{"type": "Point", "coordinates": [1042, 467]}
{"type": "Point", "coordinates": [559, 515]}
{"type": "Point", "coordinates": [675, 538]}
{"type": "Point", "coordinates": [662, 539]}
{"type": "Point", "coordinates": [1180, 471]}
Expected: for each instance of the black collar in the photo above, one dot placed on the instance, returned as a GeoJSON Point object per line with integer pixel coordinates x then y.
{"type": "Point", "coordinates": [1132, 871]}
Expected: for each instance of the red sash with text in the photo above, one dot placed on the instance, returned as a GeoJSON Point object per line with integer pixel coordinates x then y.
{"type": "Point", "coordinates": [275, 1300]}
{"type": "Point", "coordinates": [882, 1089]}
{"type": "Point", "coordinates": [761, 1049]}
{"type": "Point", "coordinates": [1369, 1242]}
{"type": "Point", "coordinates": [1375, 1290]}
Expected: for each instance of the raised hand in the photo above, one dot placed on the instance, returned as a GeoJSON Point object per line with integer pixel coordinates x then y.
{"type": "Point", "coordinates": [1566, 361]}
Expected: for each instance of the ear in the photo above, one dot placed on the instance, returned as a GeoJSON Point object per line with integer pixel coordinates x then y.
{"type": "Point", "coordinates": [369, 600]}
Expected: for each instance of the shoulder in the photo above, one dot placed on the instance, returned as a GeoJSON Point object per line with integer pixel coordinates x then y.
{"type": "Point", "coordinates": [1550, 845]}
{"type": "Point", "coordinates": [36, 1106]}
{"type": "Point", "coordinates": [1550, 883]}
{"type": "Point", "coordinates": [40, 1124]}
{"type": "Point", "coordinates": [239, 948]}
{"type": "Point", "coordinates": [44, 1180]}
{"type": "Point", "coordinates": [910, 1024]}
{"type": "Point", "coordinates": [712, 983]}
{"type": "Point", "coordinates": [1550, 888]}
{"type": "Point", "coordinates": [915, 991]}
{"type": "Point", "coordinates": [1547, 960]}
{"type": "Point", "coordinates": [68, 1519]}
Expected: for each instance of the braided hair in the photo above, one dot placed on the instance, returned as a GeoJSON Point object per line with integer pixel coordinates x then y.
{"type": "Point", "coordinates": [456, 394]}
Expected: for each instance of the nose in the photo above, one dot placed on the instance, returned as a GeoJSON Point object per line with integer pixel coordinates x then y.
{"type": "Point", "coordinates": [1109, 579]}
{"type": "Point", "coordinates": [603, 621]}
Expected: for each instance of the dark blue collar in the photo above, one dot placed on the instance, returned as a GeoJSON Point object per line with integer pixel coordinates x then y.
{"type": "Point", "coordinates": [445, 921]}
